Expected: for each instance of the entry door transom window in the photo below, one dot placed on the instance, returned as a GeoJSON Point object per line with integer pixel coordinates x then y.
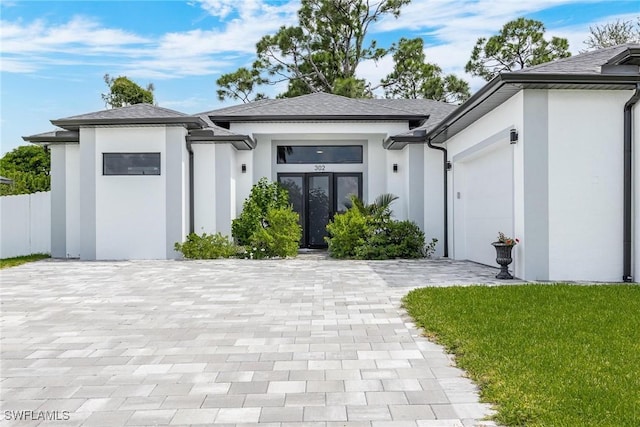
{"type": "Point", "coordinates": [319, 154]}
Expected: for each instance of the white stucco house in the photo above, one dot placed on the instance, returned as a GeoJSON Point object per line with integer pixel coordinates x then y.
{"type": "Point", "coordinates": [544, 154]}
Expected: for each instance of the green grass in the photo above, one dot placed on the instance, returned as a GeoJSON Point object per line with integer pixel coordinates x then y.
{"type": "Point", "coordinates": [545, 355]}
{"type": "Point", "coordinates": [19, 260]}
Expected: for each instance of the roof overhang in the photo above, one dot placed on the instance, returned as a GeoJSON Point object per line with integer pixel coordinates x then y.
{"type": "Point", "coordinates": [204, 136]}
{"type": "Point", "coordinates": [398, 142]}
{"type": "Point", "coordinates": [54, 137]}
{"type": "Point", "coordinates": [629, 56]}
{"type": "Point", "coordinates": [415, 120]}
{"type": "Point", "coordinates": [504, 86]}
{"type": "Point", "coordinates": [190, 122]}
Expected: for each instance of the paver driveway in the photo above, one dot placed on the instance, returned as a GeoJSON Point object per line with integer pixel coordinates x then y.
{"type": "Point", "coordinates": [303, 342]}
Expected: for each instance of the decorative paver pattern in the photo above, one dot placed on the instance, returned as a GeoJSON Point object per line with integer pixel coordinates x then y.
{"type": "Point", "coordinates": [300, 342]}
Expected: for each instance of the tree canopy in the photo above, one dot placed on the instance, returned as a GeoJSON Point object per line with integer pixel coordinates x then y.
{"type": "Point", "coordinates": [613, 34]}
{"type": "Point", "coordinates": [320, 54]}
{"type": "Point", "coordinates": [413, 77]}
{"type": "Point", "coordinates": [519, 44]}
{"type": "Point", "coordinates": [123, 92]}
{"type": "Point", "coordinates": [28, 166]}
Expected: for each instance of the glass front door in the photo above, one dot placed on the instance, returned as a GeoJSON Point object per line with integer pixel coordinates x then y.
{"type": "Point", "coordinates": [316, 197]}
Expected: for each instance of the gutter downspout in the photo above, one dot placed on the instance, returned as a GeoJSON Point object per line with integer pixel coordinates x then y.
{"type": "Point", "coordinates": [627, 187]}
{"type": "Point", "coordinates": [191, 180]}
{"type": "Point", "coordinates": [445, 162]}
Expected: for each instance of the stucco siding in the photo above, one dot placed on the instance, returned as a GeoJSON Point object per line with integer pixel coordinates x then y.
{"type": "Point", "coordinates": [585, 184]}
{"type": "Point", "coordinates": [204, 188]}
{"type": "Point", "coordinates": [636, 189]}
{"type": "Point", "coordinates": [72, 201]}
{"type": "Point", "coordinates": [131, 210]}
{"type": "Point", "coordinates": [58, 202]}
{"type": "Point", "coordinates": [482, 194]}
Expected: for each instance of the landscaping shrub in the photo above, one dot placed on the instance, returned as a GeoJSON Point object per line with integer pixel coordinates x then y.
{"type": "Point", "coordinates": [369, 232]}
{"type": "Point", "coordinates": [264, 195]}
{"type": "Point", "coordinates": [279, 236]}
{"type": "Point", "coordinates": [347, 232]}
{"type": "Point", "coordinates": [394, 239]}
{"type": "Point", "coordinates": [207, 246]}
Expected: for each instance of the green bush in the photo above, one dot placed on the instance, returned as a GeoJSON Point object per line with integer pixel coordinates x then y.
{"type": "Point", "coordinates": [369, 232]}
{"type": "Point", "coordinates": [348, 231]}
{"type": "Point", "coordinates": [264, 195]}
{"type": "Point", "coordinates": [207, 246]}
{"type": "Point", "coordinates": [279, 237]}
{"type": "Point", "coordinates": [395, 239]}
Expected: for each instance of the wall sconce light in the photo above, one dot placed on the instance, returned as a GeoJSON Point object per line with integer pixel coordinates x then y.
{"type": "Point", "coordinates": [244, 168]}
{"type": "Point", "coordinates": [513, 136]}
{"type": "Point", "coordinates": [395, 168]}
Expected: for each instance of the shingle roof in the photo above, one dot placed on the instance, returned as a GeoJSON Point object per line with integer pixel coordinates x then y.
{"type": "Point", "coordinates": [586, 71]}
{"type": "Point", "coordinates": [314, 105]}
{"type": "Point", "coordinates": [135, 111]}
{"type": "Point", "coordinates": [132, 114]}
{"type": "Point", "coordinates": [57, 135]}
{"type": "Point", "coordinates": [584, 63]}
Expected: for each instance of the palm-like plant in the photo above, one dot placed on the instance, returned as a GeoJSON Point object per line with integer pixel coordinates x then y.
{"type": "Point", "coordinates": [379, 206]}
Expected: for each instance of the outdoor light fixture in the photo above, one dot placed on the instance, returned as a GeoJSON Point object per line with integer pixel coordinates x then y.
{"type": "Point", "coordinates": [395, 168]}
{"type": "Point", "coordinates": [244, 168]}
{"type": "Point", "coordinates": [513, 136]}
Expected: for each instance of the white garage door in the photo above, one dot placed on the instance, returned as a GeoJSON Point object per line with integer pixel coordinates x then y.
{"type": "Point", "coordinates": [483, 202]}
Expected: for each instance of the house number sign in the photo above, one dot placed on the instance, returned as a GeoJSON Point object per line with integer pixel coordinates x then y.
{"type": "Point", "coordinates": [319, 168]}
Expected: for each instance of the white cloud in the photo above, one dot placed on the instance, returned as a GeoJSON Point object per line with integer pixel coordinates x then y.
{"type": "Point", "coordinates": [84, 41]}
{"type": "Point", "coordinates": [451, 30]}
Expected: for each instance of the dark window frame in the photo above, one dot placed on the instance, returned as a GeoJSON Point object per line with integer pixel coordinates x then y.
{"type": "Point", "coordinates": [155, 173]}
{"type": "Point", "coordinates": [281, 160]}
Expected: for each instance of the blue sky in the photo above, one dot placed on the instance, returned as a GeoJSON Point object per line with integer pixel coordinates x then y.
{"type": "Point", "coordinates": [53, 55]}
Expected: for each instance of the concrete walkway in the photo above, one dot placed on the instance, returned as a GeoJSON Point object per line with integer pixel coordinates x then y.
{"type": "Point", "coordinates": [281, 343]}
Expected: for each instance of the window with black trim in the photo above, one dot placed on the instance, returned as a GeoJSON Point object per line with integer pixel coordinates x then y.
{"type": "Point", "coordinates": [314, 154]}
{"type": "Point", "coordinates": [131, 163]}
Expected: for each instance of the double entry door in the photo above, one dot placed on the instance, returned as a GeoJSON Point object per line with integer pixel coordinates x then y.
{"type": "Point", "coordinates": [317, 197]}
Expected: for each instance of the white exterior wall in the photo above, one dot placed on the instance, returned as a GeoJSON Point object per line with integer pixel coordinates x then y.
{"type": "Point", "coordinates": [483, 159]}
{"type": "Point", "coordinates": [204, 188]}
{"type": "Point", "coordinates": [65, 201]}
{"type": "Point", "coordinates": [635, 135]}
{"type": "Point", "coordinates": [25, 224]}
{"type": "Point", "coordinates": [586, 184]}
{"type": "Point", "coordinates": [72, 201]}
{"type": "Point", "coordinates": [433, 198]}
{"type": "Point", "coordinates": [377, 172]}
{"type": "Point", "coordinates": [131, 211]}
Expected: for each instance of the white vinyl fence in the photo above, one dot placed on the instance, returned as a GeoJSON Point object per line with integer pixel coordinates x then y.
{"type": "Point", "coordinates": [25, 224]}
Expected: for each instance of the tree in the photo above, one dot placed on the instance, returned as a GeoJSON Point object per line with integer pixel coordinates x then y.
{"type": "Point", "coordinates": [123, 92]}
{"type": "Point", "coordinates": [320, 54]}
{"type": "Point", "coordinates": [414, 78]}
{"type": "Point", "coordinates": [519, 44]}
{"type": "Point", "coordinates": [240, 85]}
{"type": "Point", "coordinates": [28, 166]}
{"type": "Point", "coordinates": [613, 34]}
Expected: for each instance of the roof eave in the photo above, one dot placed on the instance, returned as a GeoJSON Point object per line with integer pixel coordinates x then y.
{"type": "Point", "coordinates": [518, 81]}
{"type": "Point", "coordinates": [398, 142]}
{"type": "Point", "coordinates": [240, 142]}
{"type": "Point", "coordinates": [190, 122]}
{"type": "Point", "coordinates": [322, 117]}
{"type": "Point", "coordinates": [58, 137]}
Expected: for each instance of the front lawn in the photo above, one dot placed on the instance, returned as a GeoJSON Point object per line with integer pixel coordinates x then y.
{"type": "Point", "coordinates": [19, 260]}
{"type": "Point", "coordinates": [545, 355]}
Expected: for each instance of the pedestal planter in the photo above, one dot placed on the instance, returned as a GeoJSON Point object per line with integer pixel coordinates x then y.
{"type": "Point", "coordinates": [503, 258]}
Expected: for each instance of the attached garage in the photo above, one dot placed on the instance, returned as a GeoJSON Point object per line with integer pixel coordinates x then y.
{"type": "Point", "coordinates": [483, 200]}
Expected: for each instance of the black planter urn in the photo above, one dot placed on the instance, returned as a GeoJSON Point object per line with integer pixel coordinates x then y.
{"type": "Point", "coordinates": [503, 258]}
